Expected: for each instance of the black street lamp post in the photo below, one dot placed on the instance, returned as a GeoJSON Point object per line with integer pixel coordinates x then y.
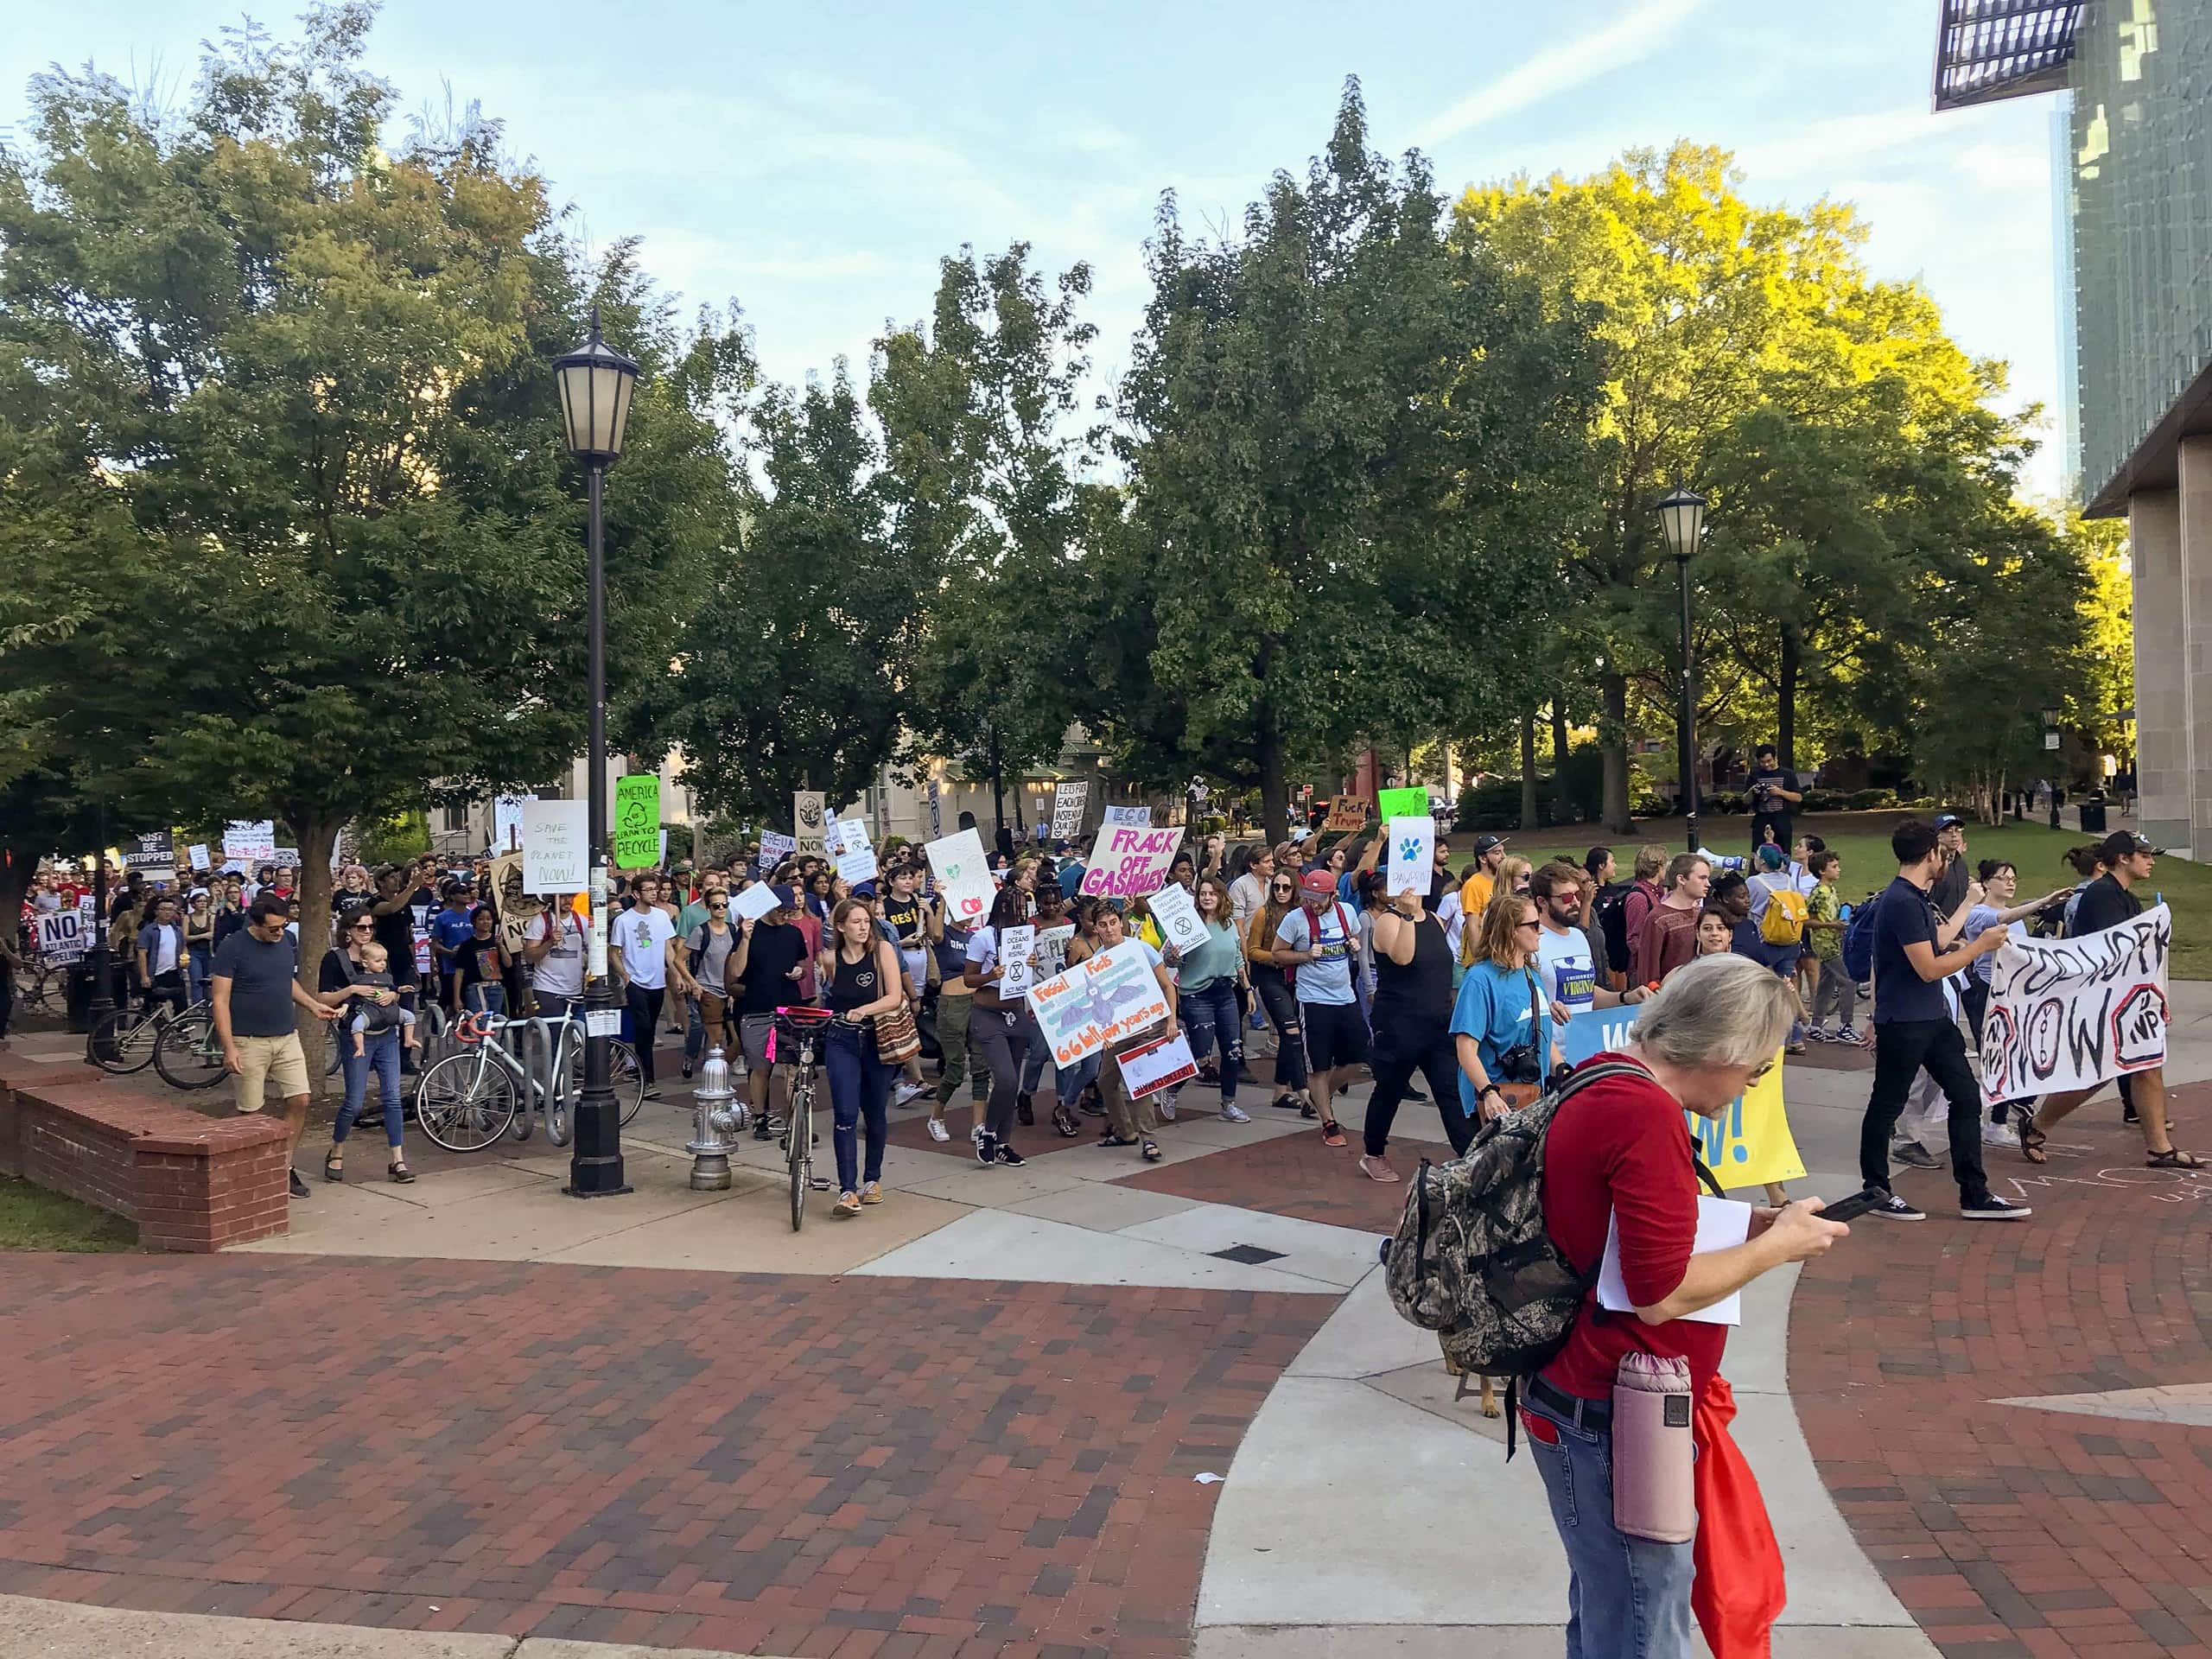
{"type": "Point", "coordinates": [1682, 519]}
{"type": "Point", "coordinates": [596, 382]}
{"type": "Point", "coordinates": [2050, 743]}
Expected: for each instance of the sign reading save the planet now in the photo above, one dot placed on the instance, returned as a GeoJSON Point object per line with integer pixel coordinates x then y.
{"type": "Point", "coordinates": [636, 821]}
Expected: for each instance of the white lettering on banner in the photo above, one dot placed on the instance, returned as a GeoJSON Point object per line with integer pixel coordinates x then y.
{"type": "Point", "coordinates": [1100, 1001]}
{"type": "Point", "coordinates": [556, 852]}
{"type": "Point", "coordinates": [2070, 1013]}
{"type": "Point", "coordinates": [1128, 862]}
{"type": "Point", "coordinates": [62, 935]}
{"type": "Point", "coordinates": [1016, 945]}
{"type": "Point", "coordinates": [1177, 913]}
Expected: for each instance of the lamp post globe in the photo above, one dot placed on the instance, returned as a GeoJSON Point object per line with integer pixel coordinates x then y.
{"type": "Point", "coordinates": [596, 384]}
{"type": "Point", "coordinates": [1681, 521]}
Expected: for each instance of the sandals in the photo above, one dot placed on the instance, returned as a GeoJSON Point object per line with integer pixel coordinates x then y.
{"type": "Point", "coordinates": [2172, 1158]}
{"type": "Point", "coordinates": [400, 1172]}
{"type": "Point", "coordinates": [1151, 1152]}
{"type": "Point", "coordinates": [1065, 1120]}
{"type": "Point", "coordinates": [2032, 1142]}
{"type": "Point", "coordinates": [333, 1165]}
{"type": "Point", "coordinates": [1116, 1141]}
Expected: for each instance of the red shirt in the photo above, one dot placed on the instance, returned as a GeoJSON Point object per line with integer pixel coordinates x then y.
{"type": "Point", "coordinates": [1668, 940]}
{"type": "Point", "coordinates": [1620, 1148]}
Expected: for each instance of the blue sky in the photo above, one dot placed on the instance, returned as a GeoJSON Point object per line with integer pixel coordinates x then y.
{"type": "Point", "coordinates": [815, 160]}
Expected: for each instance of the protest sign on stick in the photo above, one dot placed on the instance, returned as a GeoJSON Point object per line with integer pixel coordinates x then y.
{"type": "Point", "coordinates": [1128, 862]}
{"type": "Point", "coordinates": [556, 857]}
{"type": "Point", "coordinates": [1068, 802]}
{"type": "Point", "coordinates": [2070, 1013]}
{"type": "Point", "coordinates": [809, 818]}
{"type": "Point", "coordinates": [957, 861]}
{"type": "Point", "coordinates": [636, 821]}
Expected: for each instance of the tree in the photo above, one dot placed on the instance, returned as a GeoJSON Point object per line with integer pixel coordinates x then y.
{"type": "Point", "coordinates": [2107, 608]}
{"type": "Point", "coordinates": [1333, 422]}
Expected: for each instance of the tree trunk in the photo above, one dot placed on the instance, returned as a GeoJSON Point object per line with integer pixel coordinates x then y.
{"type": "Point", "coordinates": [1612, 737]}
{"type": "Point", "coordinates": [1275, 789]}
{"type": "Point", "coordinates": [1785, 699]}
{"type": "Point", "coordinates": [317, 837]}
{"type": "Point", "coordinates": [1528, 769]}
{"type": "Point", "coordinates": [1562, 812]}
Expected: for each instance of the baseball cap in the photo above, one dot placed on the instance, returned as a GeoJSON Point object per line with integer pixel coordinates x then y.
{"type": "Point", "coordinates": [1947, 820]}
{"type": "Point", "coordinates": [1770, 857]}
{"type": "Point", "coordinates": [785, 894]}
{"type": "Point", "coordinates": [1484, 843]}
{"type": "Point", "coordinates": [1317, 882]}
{"type": "Point", "coordinates": [2123, 842]}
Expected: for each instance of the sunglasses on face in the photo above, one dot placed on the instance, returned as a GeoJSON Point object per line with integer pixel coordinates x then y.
{"type": "Point", "coordinates": [1285, 888]}
{"type": "Point", "coordinates": [362, 927]}
{"type": "Point", "coordinates": [1532, 926]}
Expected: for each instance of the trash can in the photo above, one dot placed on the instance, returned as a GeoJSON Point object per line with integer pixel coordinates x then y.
{"type": "Point", "coordinates": [2092, 814]}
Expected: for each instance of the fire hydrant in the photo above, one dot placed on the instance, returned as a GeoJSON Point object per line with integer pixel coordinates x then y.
{"type": "Point", "coordinates": [716, 1112]}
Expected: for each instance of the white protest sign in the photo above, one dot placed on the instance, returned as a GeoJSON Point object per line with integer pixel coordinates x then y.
{"type": "Point", "coordinates": [775, 848]}
{"type": "Point", "coordinates": [1128, 817]}
{"type": "Point", "coordinates": [847, 842]}
{"type": "Point", "coordinates": [1159, 1064]}
{"type": "Point", "coordinates": [1176, 913]}
{"type": "Point", "coordinates": [2070, 1014]}
{"type": "Point", "coordinates": [555, 848]}
{"type": "Point", "coordinates": [1413, 855]}
{"type": "Point", "coordinates": [198, 853]}
{"type": "Point", "coordinates": [251, 840]}
{"type": "Point", "coordinates": [754, 902]}
{"type": "Point", "coordinates": [1102, 999]}
{"type": "Point", "coordinates": [1126, 863]}
{"type": "Point", "coordinates": [508, 835]}
{"type": "Point", "coordinates": [62, 935]}
{"type": "Point", "coordinates": [1016, 946]}
{"type": "Point", "coordinates": [1052, 948]}
{"type": "Point", "coordinates": [1067, 800]}
{"type": "Point", "coordinates": [962, 877]}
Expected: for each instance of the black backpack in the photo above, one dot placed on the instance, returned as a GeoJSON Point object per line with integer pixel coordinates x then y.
{"type": "Point", "coordinates": [1611, 911]}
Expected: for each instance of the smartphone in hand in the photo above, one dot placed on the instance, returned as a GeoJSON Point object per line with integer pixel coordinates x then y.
{"type": "Point", "coordinates": [1849, 1208]}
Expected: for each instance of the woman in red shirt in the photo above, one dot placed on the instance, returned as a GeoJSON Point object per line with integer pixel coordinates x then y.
{"type": "Point", "coordinates": [1618, 1150]}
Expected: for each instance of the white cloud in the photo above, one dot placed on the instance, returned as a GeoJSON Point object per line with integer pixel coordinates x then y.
{"type": "Point", "coordinates": [2007, 167]}
{"type": "Point", "coordinates": [1626, 40]}
{"type": "Point", "coordinates": [1097, 140]}
{"type": "Point", "coordinates": [1819, 147]}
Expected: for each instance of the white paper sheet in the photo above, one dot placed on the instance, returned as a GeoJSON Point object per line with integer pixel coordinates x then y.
{"type": "Point", "coordinates": [756, 902]}
{"type": "Point", "coordinates": [1722, 1223]}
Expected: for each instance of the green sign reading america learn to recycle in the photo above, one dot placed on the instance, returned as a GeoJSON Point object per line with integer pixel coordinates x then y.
{"type": "Point", "coordinates": [636, 821]}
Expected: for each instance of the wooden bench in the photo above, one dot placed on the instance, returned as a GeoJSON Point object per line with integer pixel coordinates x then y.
{"type": "Point", "coordinates": [189, 1182]}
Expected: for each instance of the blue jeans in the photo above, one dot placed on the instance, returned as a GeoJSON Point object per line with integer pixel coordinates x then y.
{"type": "Point", "coordinates": [1209, 1014]}
{"type": "Point", "coordinates": [1070, 1081]}
{"type": "Point", "coordinates": [380, 1051]}
{"type": "Point", "coordinates": [859, 1087]}
{"type": "Point", "coordinates": [1627, 1597]}
{"type": "Point", "coordinates": [201, 963]}
{"type": "Point", "coordinates": [694, 1029]}
{"type": "Point", "coordinates": [486, 997]}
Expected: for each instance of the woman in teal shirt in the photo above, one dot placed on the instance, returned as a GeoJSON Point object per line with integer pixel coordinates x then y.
{"type": "Point", "coordinates": [1206, 978]}
{"type": "Point", "coordinates": [1502, 1010]}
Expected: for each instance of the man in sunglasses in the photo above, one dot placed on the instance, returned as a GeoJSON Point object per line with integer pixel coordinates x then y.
{"type": "Point", "coordinates": [256, 986]}
{"type": "Point", "coordinates": [710, 946]}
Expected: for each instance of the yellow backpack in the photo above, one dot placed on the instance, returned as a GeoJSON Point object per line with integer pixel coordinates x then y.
{"type": "Point", "coordinates": [1783, 922]}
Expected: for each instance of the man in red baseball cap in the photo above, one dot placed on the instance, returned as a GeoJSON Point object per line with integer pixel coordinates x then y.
{"type": "Point", "coordinates": [1320, 938]}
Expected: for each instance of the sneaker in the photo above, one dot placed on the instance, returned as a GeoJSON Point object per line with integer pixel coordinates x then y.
{"type": "Point", "coordinates": [1232, 1113]}
{"type": "Point", "coordinates": [907, 1091]}
{"type": "Point", "coordinates": [1010, 1158]}
{"type": "Point", "coordinates": [1893, 1208]}
{"type": "Point", "coordinates": [761, 1131]}
{"type": "Point", "coordinates": [1911, 1152]}
{"type": "Point", "coordinates": [847, 1205]}
{"type": "Point", "coordinates": [1849, 1034]}
{"type": "Point", "coordinates": [687, 1070]}
{"type": "Point", "coordinates": [293, 1184]}
{"type": "Point", "coordinates": [872, 1193]}
{"type": "Point", "coordinates": [1815, 1034]}
{"type": "Point", "coordinates": [1025, 1109]}
{"type": "Point", "coordinates": [1993, 1208]}
{"type": "Point", "coordinates": [987, 1147]}
{"type": "Point", "coordinates": [938, 1131]}
{"type": "Point", "coordinates": [1332, 1133]}
{"type": "Point", "coordinates": [1999, 1135]}
{"type": "Point", "coordinates": [652, 1093]}
{"type": "Point", "coordinates": [1377, 1169]}
{"type": "Point", "coordinates": [1414, 1094]}
{"type": "Point", "coordinates": [1167, 1105]}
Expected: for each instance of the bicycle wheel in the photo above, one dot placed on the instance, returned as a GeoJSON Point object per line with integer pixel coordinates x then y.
{"type": "Point", "coordinates": [799, 1138]}
{"type": "Point", "coordinates": [122, 1042]}
{"type": "Point", "coordinates": [41, 988]}
{"type": "Point", "coordinates": [465, 1102]}
{"type": "Point", "coordinates": [624, 1080]}
{"type": "Point", "coordinates": [186, 1054]}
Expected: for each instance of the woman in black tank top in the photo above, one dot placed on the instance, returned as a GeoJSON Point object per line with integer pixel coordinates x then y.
{"type": "Point", "coordinates": [862, 977]}
{"type": "Point", "coordinates": [1412, 1026]}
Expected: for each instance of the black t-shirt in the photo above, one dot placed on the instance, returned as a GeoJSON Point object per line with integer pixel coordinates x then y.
{"type": "Point", "coordinates": [2104, 904]}
{"type": "Point", "coordinates": [776, 949]}
{"type": "Point", "coordinates": [1768, 805]}
{"type": "Point", "coordinates": [478, 961]}
{"type": "Point", "coordinates": [1900, 994]}
{"type": "Point", "coordinates": [395, 932]}
{"type": "Point", "coordinates": [905, 916]}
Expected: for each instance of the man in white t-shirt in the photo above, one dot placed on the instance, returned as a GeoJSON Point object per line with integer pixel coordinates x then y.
{"type": "Point", "coordinates": [638, 955]}
{"type": "Point", "coordinates": [1565, 966]}
{"type": "Point", "coordinates": [554, 946]}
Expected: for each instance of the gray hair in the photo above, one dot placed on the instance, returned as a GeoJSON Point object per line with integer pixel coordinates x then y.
{"type": "Point", "coordinates": [1717, 1011]}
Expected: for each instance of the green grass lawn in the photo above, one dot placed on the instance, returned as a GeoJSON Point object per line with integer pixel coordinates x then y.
{"type": "Point", "coordinates": [32, 1218]}
{"type": "Point", "coordinates": [1862, 839]}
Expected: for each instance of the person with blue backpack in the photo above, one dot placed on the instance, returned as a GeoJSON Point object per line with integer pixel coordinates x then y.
{"type": "Point", "coordinates": [1910, 952]}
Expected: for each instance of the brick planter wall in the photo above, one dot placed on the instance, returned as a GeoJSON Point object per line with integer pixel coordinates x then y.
{"type": "Point", "coordinates": [190, 1182]}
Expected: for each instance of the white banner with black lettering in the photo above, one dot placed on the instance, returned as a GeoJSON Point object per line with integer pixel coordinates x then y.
{"type": "Point", "coordinates": [2070, 1014]}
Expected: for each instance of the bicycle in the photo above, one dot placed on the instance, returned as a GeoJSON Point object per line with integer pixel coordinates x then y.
{"type": "Point", "coordinates": [186, 1053]}
{"type": "Point", "coordinates": [803, 1028]}
{"type": "Point", "coordinates": [471, 1099]}
{"type": "Point", "coordinates": [123, 1042]}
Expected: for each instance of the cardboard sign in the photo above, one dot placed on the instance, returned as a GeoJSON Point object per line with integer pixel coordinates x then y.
{"type": "Point", "coordinates": [556, 853]}
{"type": "Point", "coordinates": [198, 853]}
{"type": "Point", "coordinates": [754, 902]}
{"type": "Point", "coordinates": [1068, 801]}
{"type": "Point", "coordinates": [962, 877]}
{"type": "Point", "coordinates": [1413, 855]}
{"type": "Point", "coordinates": [2070, 1013]}
{"type": "Point", "coordinates": [506, 821]}
{"type": "Point", "coordinates": [1748, 1145]}
{"type": "Point", "coordinates": [1102, 999]}
{"type": "Point", "coordinates": [1016, 945]}
{"type": "Point", "coordinates": [1177, 913]}
{"type": "Point", "coordinates": [636, 821]}
{"type": "Point", "coordinates": [252, 841]}
{"type": "Point", "coordinates": [1128, 862]}
{"type": "Point", "coordinates": [1402, 803]}
{"type": "Point", "coordinates": [1160, 1063]}
{"type": "Point", "coordinates": [847, 843]}
{"type": "Point", "coordinates": [936, 811]}
{"type": "Point", "coordinates": [1347, 813]}
{"type": "Point", "coordinates": [809, 817]}
{"type": "Point", "coordinates": [1128, 817]}
{"type": "Point", "coordinates": [62, 935]}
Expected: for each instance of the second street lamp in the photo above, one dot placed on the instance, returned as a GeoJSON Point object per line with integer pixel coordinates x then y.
{"type": "Point", "coordinates": [596, 382]}
{"type": "Point", "coordinates": [1682, 519]}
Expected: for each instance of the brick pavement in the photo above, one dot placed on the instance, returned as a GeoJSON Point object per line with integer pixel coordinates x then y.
{"type": "Point", "coordinates": [1297, 1175]}
{"type": "Point", "coordinates": [2012, 1532]}
{"type": "Point", "coordinates": [858, 1467]}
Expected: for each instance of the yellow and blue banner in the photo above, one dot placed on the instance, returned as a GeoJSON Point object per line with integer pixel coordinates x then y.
{"type": "Point", "coordinates": [1748, 1145]}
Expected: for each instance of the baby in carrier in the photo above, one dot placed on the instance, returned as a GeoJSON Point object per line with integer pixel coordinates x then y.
{"type": "Point", "coordinates": [369, 1015]}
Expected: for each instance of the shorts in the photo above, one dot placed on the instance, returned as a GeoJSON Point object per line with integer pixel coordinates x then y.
{"type": "Point", "coordinates": [1336, 1035]}
{"type": "Point", "coordinates": [753, 1033]}
{"type": "Point", "coordinates": [264, 1060]}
